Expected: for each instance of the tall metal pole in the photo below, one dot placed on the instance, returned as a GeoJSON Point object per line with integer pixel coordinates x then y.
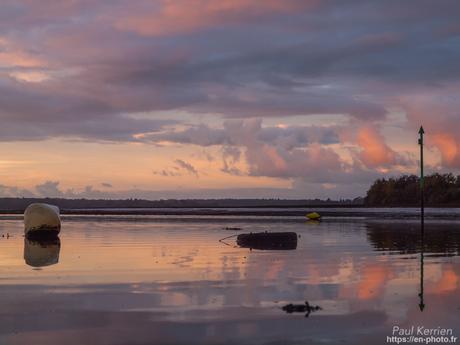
{"type": "Point", "coordinates": [422, 219]}
{"type": "Point", "coordinates": [422, 177]}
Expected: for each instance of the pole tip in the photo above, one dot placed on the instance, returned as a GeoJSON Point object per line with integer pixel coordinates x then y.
{"type": "Point", "coordinates": [421, 130]}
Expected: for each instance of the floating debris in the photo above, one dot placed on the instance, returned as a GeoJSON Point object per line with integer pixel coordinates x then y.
{"type": "Point", "coordinates": [268, 240]}
{"type": "Point", "coordinates": [301, 308]}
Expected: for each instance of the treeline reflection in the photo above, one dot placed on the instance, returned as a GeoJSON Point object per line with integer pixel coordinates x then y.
{"type": "Point", "coordinates": [404, 238]}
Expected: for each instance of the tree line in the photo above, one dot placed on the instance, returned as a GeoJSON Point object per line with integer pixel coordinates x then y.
{"type": "Point", "coordinates": [439, 190]}
{"type": "Point", "coordinates": [19, 204]}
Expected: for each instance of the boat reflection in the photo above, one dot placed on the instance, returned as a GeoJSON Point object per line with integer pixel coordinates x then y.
{"type": "Point", "coordinates": [40, 253]}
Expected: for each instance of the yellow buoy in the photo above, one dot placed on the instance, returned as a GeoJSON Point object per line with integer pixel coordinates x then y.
{"type": "Point", "coordinates": [313, 216]}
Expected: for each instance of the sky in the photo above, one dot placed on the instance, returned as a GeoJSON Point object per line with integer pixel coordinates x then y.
{"type": "Point", "coordinates": [208, 99]}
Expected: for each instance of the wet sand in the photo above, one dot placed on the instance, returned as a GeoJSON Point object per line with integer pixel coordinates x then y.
{"type": "Point", "coordinates": [170, 281]}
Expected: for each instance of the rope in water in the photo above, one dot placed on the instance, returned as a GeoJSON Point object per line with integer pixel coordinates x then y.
{"type": "Point", "coordinates": [225, 238]}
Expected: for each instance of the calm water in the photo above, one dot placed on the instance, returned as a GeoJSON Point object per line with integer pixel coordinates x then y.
{"type": "Point", "coordinates": [170, 281]}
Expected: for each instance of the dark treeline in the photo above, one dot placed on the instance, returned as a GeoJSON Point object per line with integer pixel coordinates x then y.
{"type": "Point", "coordinates": [440, 190]}
{"type": "Point", "coordinates": [19, 204]}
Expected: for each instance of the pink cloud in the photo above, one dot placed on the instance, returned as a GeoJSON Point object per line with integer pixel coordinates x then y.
{"type": "Point", "coordinates": [438, 110]}
{"type": "Point", "coordinates": [375, 152]}
{"type": "Point", "coordinates": [178, 16]}
{"type": "Point", "coordinates": [12, 55]}
{"type": "Point", "coordinates": [449, 148]}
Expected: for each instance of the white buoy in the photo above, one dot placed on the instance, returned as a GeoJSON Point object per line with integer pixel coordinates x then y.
{"type": "Point", "coordinates": [42, 220]}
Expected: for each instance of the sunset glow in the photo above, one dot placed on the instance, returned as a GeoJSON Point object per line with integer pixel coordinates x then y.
{"type": "Point", "coordinates": [180, 98]}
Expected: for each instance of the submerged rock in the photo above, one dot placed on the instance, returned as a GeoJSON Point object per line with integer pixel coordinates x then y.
{"type": "Point", "coordinates": [42, 220]}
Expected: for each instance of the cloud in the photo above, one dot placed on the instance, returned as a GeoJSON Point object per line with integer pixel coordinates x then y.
{"type": "Point", "coordinates": [450, 148]}
{"type": "Point", "coordinates": [12, 56]}
{"type": "Point", "coordinates": [231, 155]}
{"type": "Point", "coordinates": [49, 189]}
{"type": "Point", "coordinates": [166, 173]}
{"type": "Point", "coordinates": [236, 132]}
{"type": "Point", "coordinates": [286, 152]}
{"type": "Point", "coordinates": [66, 73]}
{"type": "Point", "coordinates": [217, 59]}
{"type": "Point", "coordinates": [298, 191]}
{"type": "Point", "coordinates": [186, 166]}
{"type": "Point", "coordinates": [13, 191]}
{"type": "Point", "coordinates": [375, 152]}
{"type": "Point", "coordinates": [438, 112]}
{"type": "Point", "coordinates": [179, 16]}
{"type": "Point", "coordinates": [178, 169]}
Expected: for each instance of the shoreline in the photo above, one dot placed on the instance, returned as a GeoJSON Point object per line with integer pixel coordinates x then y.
{"type": "Point", "coordinates": [281, 213]}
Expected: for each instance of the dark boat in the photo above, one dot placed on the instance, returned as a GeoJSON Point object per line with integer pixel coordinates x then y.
{"type": "Point", "coordinates": [268, 240]}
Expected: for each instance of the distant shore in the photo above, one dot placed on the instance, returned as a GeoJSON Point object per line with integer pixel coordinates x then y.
{"type": "Point", "coordinates": [326, 212]}
{"type": "Point", "coordinates": [266, 207]}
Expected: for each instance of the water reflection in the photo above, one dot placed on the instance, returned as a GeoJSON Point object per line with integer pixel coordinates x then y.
{"type": "Point", "coordinates": [40, 253]}
{"type": "Point", "coordinates": [428, 240]}
{"type": "Point", "coordinates": [403, 238]}
{"type": "Point", "coordinates": [305, 308]}
{"type": "Point", "coordinates": [422, 257]}
{"type": "Point", "coordinates": [422, 254]}
{"type": "Point", "coordinates": [121, 282]}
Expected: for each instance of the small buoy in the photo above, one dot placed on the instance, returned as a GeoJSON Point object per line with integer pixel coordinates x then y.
{"type": "Point", "coordinates": [313, 216]}
{"type": "Point", "coordinates": [42, 220]}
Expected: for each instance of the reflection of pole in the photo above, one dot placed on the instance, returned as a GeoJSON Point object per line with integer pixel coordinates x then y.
{"type": "Point", "coordinates": [422, 248]}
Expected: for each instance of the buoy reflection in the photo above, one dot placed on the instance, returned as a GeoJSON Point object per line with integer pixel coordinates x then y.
{"type": "Point", "coordinates": [42, 252]}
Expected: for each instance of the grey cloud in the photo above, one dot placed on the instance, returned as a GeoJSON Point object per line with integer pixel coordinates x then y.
{"type": "Point", "coordinates": [237, 132]}
{"type": "Point", "coordinates": [179, 169]}
{"type": "Point", "coordinates": [49, 189]}
{"type": "Point", "coordinates": [230, 156]}
{"type": "Point", "coordinates": [13, 191]}
{"type": "Point", "coordinates": [34, 114]}
{"type": "Point", "coordinates": [355, 57]}
{"type": "Point", "coordinates": [304, 68]}
{"type": "Point", "coordinates": [301, 190]}
{"type": "Point", "coordinates": [292, 152]}
{"type": "Point", "coordinates": [186, 166]}
{"type": "Point", "coordinates": [166, 173]}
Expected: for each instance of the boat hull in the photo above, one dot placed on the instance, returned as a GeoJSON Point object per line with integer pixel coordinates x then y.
{"type": "Point", "coordinates": [268, 240]}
